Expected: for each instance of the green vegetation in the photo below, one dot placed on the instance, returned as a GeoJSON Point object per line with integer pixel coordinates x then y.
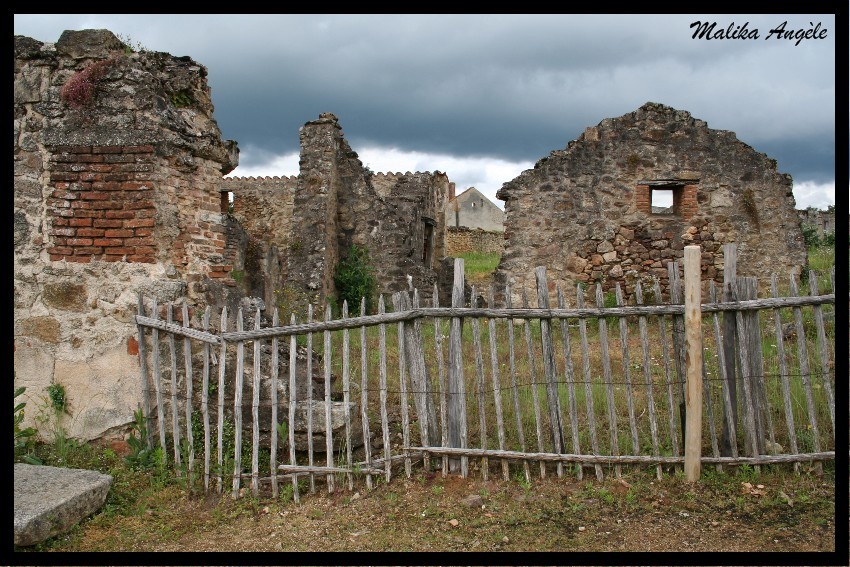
{"type": "Point", "coordinates": [354, 279]}
{"type": "Point", "coordinates": [478, 267]}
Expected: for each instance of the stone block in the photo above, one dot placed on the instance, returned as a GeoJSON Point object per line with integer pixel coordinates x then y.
{"type": "Point", "coordinates": [50, 500]}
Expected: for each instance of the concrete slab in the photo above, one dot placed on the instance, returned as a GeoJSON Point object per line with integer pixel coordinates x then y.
{"type": "Point", "coordinates": [51, 500]}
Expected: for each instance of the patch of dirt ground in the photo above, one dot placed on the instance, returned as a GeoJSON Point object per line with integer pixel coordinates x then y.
{"type": "Point", "coordinates": [771, 511]}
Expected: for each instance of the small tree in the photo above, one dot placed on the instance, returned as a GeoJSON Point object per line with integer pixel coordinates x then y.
{"type": "Point", "coordinates": [355, 279]}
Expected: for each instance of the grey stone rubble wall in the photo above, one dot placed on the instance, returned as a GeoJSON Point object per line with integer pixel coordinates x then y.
{"type": "Point", "coordinates": [822, 221]}
{"type": "Point", "coordinates": [582, 211]}
{"type": "Point", "coordinates": [461, 240]}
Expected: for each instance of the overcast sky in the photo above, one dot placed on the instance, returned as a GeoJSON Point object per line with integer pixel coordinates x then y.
{"type": "Point", "coordinates": [483, 97]}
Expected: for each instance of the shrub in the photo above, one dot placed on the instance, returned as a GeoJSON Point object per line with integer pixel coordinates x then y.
{"type": "Point", "coordinates": [355, 279]}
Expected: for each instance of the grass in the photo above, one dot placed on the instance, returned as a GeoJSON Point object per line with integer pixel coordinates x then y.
{"type": "Point", "coordinates": [478, 268]}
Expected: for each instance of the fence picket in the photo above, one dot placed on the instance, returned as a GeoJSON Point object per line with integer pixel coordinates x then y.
{"type": "Point", "coordinates": [822, 349]}
{"type": "Point", "coordinates": [293, 396]}
{"type": "Point", "coordinates": [385, 426]}
{"type": "Point", "coordinates": [187, 359]}
{"type": "Point", "coordinates": [752, 445]}
{"type": "Point", "coordinates": [803, 357]}
{"type": "Point", "coordinates": [441, 374]}
{"type": "Point", "coordinates": [175, 419]}
{"type": "Point", "coordinates": [364, 397]}
{"type": "Point", "coordinates": [237, 406]}
{"type": "Point", "coordinates": [310, 452]}
{"type": "Point", "coordinates": [729, 441]}
{"type": "Point", "coordinates": [329, 443]}
{"type": "Point", "coordinates": [255, 411]}
{"type": "Point", "coordinates": [532, 373]}
{"type": "Point", "coordinates": [783, 372]}
{"type": "Point", "coordinates": [647, 375]}
{"type": "Point", "coordinates": [520, 430]}
{"type": "Point", "coordinates": [346, 397]}
{"type": "Point", "coordinates": [205, 402]}
{"type": "Point", "coordinates": [221, 369]}
{"type": "Point", "coordinates": [569, 375]}
{"type": "Point", "coordinates": [665, 357]}
{"type": "Point", "coordinates": [479, 372]}
{"type": "Point", "coordinates": [275, 362]}
{"type": "Point", "coordinates": [624, 346]}
{"type": "Point", "coordinates": [497, 388]}
{"type": "Point", "coordinates": [456, 386]}
{"type": "Point", "coordinates": [143, 367]}
{"type": "Point", "coordinates": [588, 387]}
{"type": "Point", "coordinates": [402, 383]}
{"type": "Point", "coordinates": [549, 371]}
{"type": "Point", "coordinates": [608, 378]}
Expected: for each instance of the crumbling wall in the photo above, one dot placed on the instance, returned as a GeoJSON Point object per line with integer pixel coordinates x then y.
{"type": "Point", "coordinates": [585, 212]}
{"type": "Point", "coordinates": [117, 162]}
{"type": "Point", "coordinates": [337, 205]}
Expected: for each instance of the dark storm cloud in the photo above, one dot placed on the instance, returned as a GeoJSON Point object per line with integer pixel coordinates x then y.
{"type": "Point", "coordinates": [511, 86]}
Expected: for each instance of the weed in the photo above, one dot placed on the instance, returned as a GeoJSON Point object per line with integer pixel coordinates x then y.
{"type": "Point", "coordinates": [81, 88]}
{"type": "Point", "coordinates": [354, 278]}
{"type": "Point", "coordinates": [24, 438]}
{"type": "Point", "coordinates": [182, 99]}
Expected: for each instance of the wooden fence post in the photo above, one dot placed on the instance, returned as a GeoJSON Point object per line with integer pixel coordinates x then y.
{"type": "Point", "coordinates": [456, 387]}
{"type": "Point", "coordinates": [730, 423]}
{"type": "Point", "coordinates": [693, 364]}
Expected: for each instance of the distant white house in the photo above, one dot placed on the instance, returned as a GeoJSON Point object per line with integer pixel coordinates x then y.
{"type": "Point", "coordinates": [472, 209]}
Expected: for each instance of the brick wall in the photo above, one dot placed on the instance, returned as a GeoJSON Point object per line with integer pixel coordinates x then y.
{"type": "Point", "coordinates": [101, 206]}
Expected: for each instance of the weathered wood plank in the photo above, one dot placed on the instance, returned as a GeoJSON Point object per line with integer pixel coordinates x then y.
{"type": "Point", "coordinates": [678, 321]}
{"type": "Point", "coordinates": [220, 414]}
{"type": "Point", "coordinates": [627, 375]}
{"type": "Point", "coordinates": [479, 372]}
{"type": "Point", "coordinates": [647, 376]}
{"type": "Point", "coordinates": [143, 367]}
{"type": "Point", "coordinates": [532, 376]}
{"type": "Point", "coordinates": [693, 363]}
{"type": "Point", "coordinates": [275, 372]}
{"type": "Point", "coordinates": [175, 425]}
{"type": "Point", "coordinates": [514, 389]}
{"type": "Point", "coordinates": [588, 387]}
{"type": "Point", "coordinates": [570, 378]}
{"type": "Point", "coordinates": [441, 375]}
{"type": "Point", "coordinates": [177, 330]}
{"type": "Point", "coordinates": [423, 389]}
{"type": "Point", "coordinates": [497, 387]}
{"type": "Point", "coordinates": [293, 359]}
{"type": "Point", "coordinates": [402, 382]}
{"type": "Point", "coordinates": [549, 369]}
{"type": "Point", "coordinates": [629, 459]}
{"type": "Point", "coordinates": [456, 385]}
{"type": "Point", "coordinates": [385, 426]}
{"type": "Point", "coordinates": [665, 358]}
{"type": "Point", "coordinates": [187, 360]}
{"type": "Point", "coordinates": [823, 349]}
{"type": "Point", "coordinates": [744, 357]}
{"type": "Point", "coordinates": [783, 372]}
{"type": "Point", "coordinates": [310, 452]}
{"type": "Point", "coordinates": [346, 396]}
{"type": "Point", "coordinates": [364, 397]}
{"type": "Point", "coordinates": [237, 406]}
{"type": "Point", "coordinates": [729, 440]}
{"type": "Point", "coordinates": [329, 443]}
{"type": "Point", "coordinates": [608, 379]}
{"type": "Point", "coordinates": [205, 402]}
{"type": "Point", "coordinates": [805, 375]}
{"type": "Point", "coordinates": [255, 411]}
{"type": "Point", "coordinates": [729, 444]}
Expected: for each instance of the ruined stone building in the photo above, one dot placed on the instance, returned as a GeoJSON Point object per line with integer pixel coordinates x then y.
{"type": "Point", "coordinates": [621, 201]}
{"type": "Point", "coordinates": [314, 218]}
{"type": "Point", "coordinates": [119, 189]}
{"type": "Point", "coordinates": [472, 209]}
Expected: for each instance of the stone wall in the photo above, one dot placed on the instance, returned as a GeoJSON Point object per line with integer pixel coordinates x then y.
{"type": "Point", "coordinates": [586, 212]}
{"type": "Point", "coordinates": [462, 240]}
{"type": "Point", "coordinates": [339, 203]}
{"type": "Point", "coordinates": [117, 162]}
{"type": "Point", "coordinates": [822, 221]}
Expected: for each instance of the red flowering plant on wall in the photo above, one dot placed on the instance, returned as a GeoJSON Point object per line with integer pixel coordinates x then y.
{"type": "Point", "coordinates": [80, 89]}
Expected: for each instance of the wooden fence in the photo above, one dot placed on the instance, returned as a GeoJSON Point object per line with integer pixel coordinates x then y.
{"type": "Point", "coordinates": [542, 390]}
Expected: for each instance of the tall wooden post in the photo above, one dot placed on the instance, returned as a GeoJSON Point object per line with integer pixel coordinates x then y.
{"type": "Point", "coordinates": [456, 387]}
{"type": "Point", "coordinates": [693, 364]}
